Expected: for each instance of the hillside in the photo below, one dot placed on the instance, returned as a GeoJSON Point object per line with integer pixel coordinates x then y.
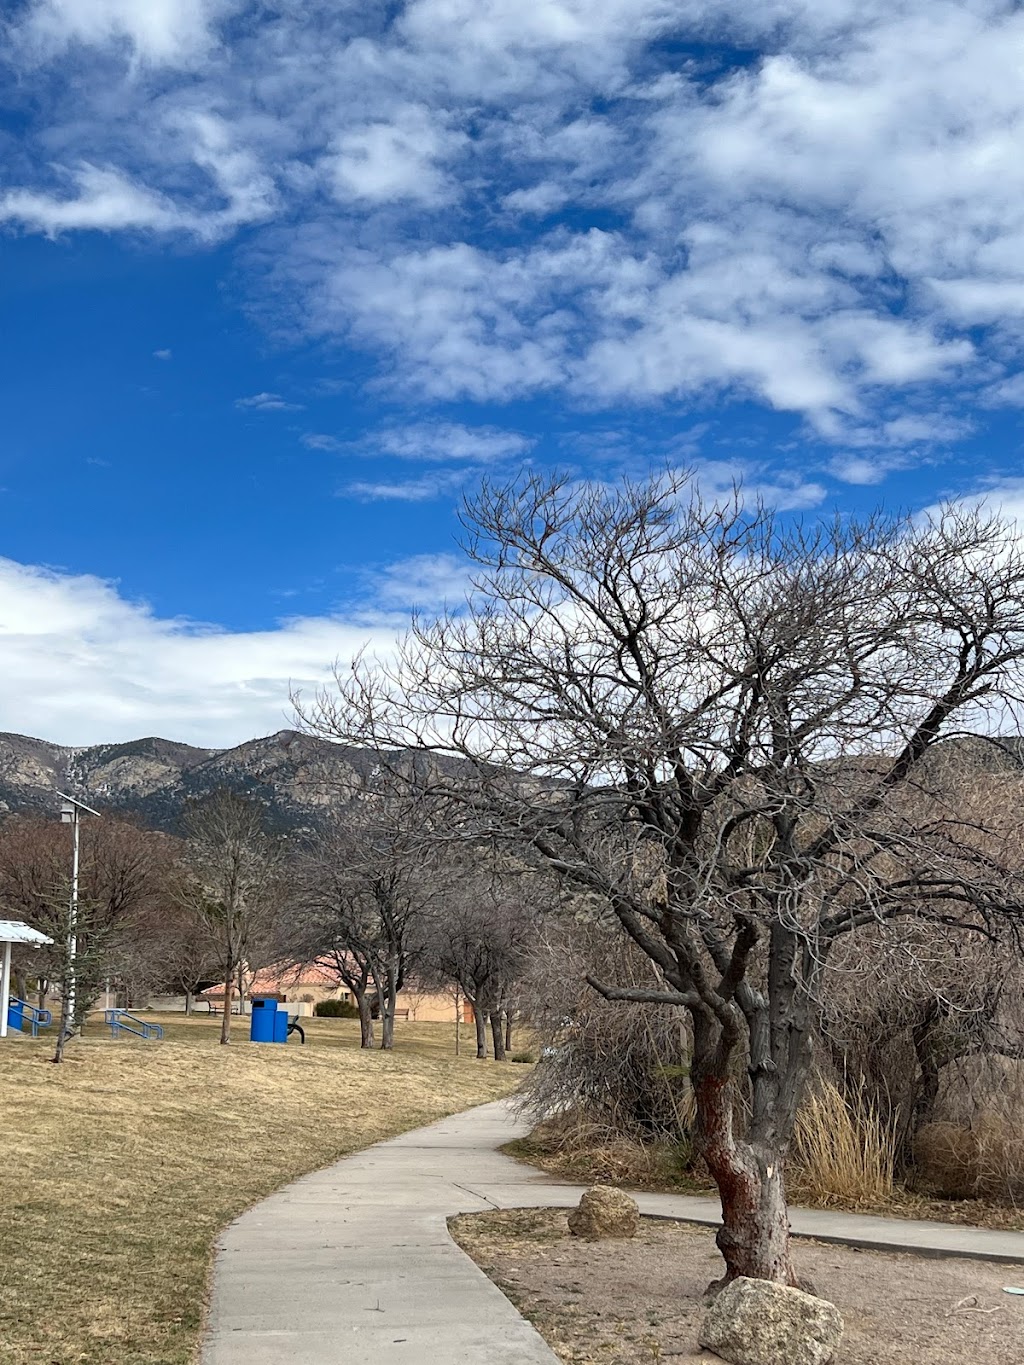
{"type": "Point", "coordinates": [151, 779]}
{"type": "Point", "coordinates": [298, 778]}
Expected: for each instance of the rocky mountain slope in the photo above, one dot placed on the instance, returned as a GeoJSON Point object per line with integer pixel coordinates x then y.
{"type": "Point", "coordinates": [298, 778]}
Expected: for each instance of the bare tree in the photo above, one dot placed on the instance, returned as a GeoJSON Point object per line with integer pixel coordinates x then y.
{"type": "Point", "coordinates": [708, 720]}
{"type": "Point", "coordinates": [477, 939]}
{"type": "Point", "coordinates": [334, 922]}
{"type": "Point", "coordinates": [365, 886]}
{"type": "Point", "coordinates": [179, 951]}
{"type": "Point", "coordinates": [233, 882]}
{"type": "Point", "coordinates": [911, 1002]}
{"type": "Point", "coordinates": [122, 880]}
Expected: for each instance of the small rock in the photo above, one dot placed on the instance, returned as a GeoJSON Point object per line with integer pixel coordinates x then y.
{"type": "Point", "coordinates": [754, 1322]}
{"type": "Point", "coordinates": [604, 1212]}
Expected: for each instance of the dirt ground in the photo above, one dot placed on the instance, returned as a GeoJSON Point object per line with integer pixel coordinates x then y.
{"type": "Point", "coordinates": [626, 1302]}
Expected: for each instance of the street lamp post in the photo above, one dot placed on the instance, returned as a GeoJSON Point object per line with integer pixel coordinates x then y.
{"type": "Point", "coordinates": [70, 814]}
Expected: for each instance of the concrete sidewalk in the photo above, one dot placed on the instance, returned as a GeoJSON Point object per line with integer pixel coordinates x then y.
{"type": "Point", "coordinates": [355, 1261]}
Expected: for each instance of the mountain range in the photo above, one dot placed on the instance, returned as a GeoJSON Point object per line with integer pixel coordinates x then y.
{"type": "Point", "coordinates": [296, 777]}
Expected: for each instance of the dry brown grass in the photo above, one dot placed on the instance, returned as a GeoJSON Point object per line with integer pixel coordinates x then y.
{"type": "Point", "coordinates": [985, 1160]}
{"type": "Point", "coordinates": [843, 1153]}
{"type": "Point", "coordinates": [586, 1152]}
{"type": "Point", "coordinates": [578, 1150]}
{"type": "Point", "coordinates": [120, 1167]}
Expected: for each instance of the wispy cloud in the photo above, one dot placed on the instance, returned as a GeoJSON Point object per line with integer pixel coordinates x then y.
{"type": "Point", "coordinates": [267, 402]}
{"type": "Point", "coordinates": [314, 440]}
{"type": "Point", "coordinates": [500, 200]}
{"type": "Point", "coordinates": [164, 354]}
{"type": "Point", "coordinates": [430, 442]}
{"type": "Point", "coordinates": [423, 489]}
{"type": "Point", "coordinates": [425, 581]}
{"type": "Point", "coordinates": [786, 490]}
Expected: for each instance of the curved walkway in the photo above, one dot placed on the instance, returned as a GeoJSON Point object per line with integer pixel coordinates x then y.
{"type": "Point", "coordinates": [354, 1262]}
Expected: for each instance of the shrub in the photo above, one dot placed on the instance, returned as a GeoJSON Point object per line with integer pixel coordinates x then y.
{"type": "Point", "coordinates": [522, 1057]}
{"type": "Point", "coordinates": [576, 1147]}
{"type": "Point", "coordinates": [984, 1161]}
{"type": "Point", "coordinates": [335, 1009]}
{"type": "Point", "coordinates": [946, 1160]}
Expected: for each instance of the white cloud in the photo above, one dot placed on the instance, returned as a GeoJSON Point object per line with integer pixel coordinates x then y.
{"type": "Point", "coordinates": [82, 665]}
{"type": "Point", "coordinates": [448, 441]}
{"type": "Point", "coordinates": [230, 190]}
{"type": "Point", "coordinates": [395, 160]}
{"type": "Point", "coordinates": [423, 489]}
{"type": "Point", "coordinates": [1008, 392]}
{"type": "Point", "coordinates": [861, 469]}
{"type": "Point", "coordinates": [158, 31]}
{"type": "Point", "coordinates": [163, 354]}
{"type": "Point", "coordinates": [267, 402]}
{"type": "Point", "coordinates": [831, 228]}
{"type": "Point", "coordinates": [103, 199]}
{"type": "Point", "coordinates": [786, 490]}
{"type": "Point", "coordinates": [318, 440]}
{"type": "Point", "coordinates": [428, 580]}
{"type": "Point", "coordinates": [430, 441]}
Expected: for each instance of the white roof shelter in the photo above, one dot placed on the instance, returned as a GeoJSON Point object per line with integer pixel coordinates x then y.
{"type": "Point", "coordinates": [14, 931]}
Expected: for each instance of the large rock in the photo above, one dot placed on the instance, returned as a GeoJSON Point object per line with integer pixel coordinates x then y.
{"type": "Point", "coordinates": [754, 1322]}
{"type": "Point", "coordinates": [604, 1212]}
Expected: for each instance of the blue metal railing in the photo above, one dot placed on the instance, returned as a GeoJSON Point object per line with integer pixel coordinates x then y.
{"type": "Point", "coordinates": [121, 1021]}
{"type": "Point", "coordinates": [36, 1018]}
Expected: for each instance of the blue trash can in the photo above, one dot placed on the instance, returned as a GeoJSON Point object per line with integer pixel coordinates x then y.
{"type": "Point", "coordinates": [281, 1023]}
{"type": "Point", "coordinates": [16, 1014]}
{"type": "Point", "coordinates": [262, 1021]}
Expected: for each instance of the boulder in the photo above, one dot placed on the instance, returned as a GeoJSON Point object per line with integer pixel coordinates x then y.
{"type": "Point", "coordinates": [754, 1322]}
{"type": "Point", "coordinates": [604, 1212]}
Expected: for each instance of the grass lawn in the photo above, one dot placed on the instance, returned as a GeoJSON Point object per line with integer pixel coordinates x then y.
{"type": "Point", "coordinates": [120, 1167]}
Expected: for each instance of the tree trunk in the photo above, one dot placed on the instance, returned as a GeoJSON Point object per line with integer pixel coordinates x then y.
{"type": "Point", "coordinates": [508, 1030]}
{"type": "Point", "coordinates": [387, 1012]}
{"type": "Point", "coordinates": [480, 1022]}
{"type": "Point", "coordinates": [498, 1035]}
{"type": "Point", "coordinates": [929, 1052]}
{"type": "Point", "coordinates": [754, 1236]}
{"type": "Point", "coordinates": [189, 1004]}
{"type": "Point", "coordinates": [44, 987]}
{"type": "Point", "coordinates": [20, 983]}
{"type": "Point", "coordinates": [225, 1023]}
{"type": "Point", "coordinates": [365, 1019]}
{"type": "Point", "coordinates": [63, 1027]}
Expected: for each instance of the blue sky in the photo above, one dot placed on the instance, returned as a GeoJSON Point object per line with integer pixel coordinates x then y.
{"type": "Point", "coordinates": [280, 280]}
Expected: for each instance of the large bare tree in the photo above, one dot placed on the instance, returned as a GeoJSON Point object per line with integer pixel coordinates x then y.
{"type": "Point", "coordinates": [362, 890]}
{"type": "Point", "coordinates": [709, 720]}
{"type": "Point", "coordinates": [232, 883]}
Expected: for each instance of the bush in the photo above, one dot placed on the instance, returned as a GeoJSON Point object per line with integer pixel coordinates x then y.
{"type": "Point", "coordinates": [335, 1009]}
{"type": "Point", "coordinates": [984, 1161]}
{"type": "Point", "coordinates": [522, 1057]}
{"type": "Point", "coordinates": [575, 1147]}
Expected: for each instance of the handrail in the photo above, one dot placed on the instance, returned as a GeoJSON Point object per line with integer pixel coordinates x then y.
{"type": "Point", "coordinates": [121, 1021]}
{"type": "Point", "coordinates": [38, 1018]}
